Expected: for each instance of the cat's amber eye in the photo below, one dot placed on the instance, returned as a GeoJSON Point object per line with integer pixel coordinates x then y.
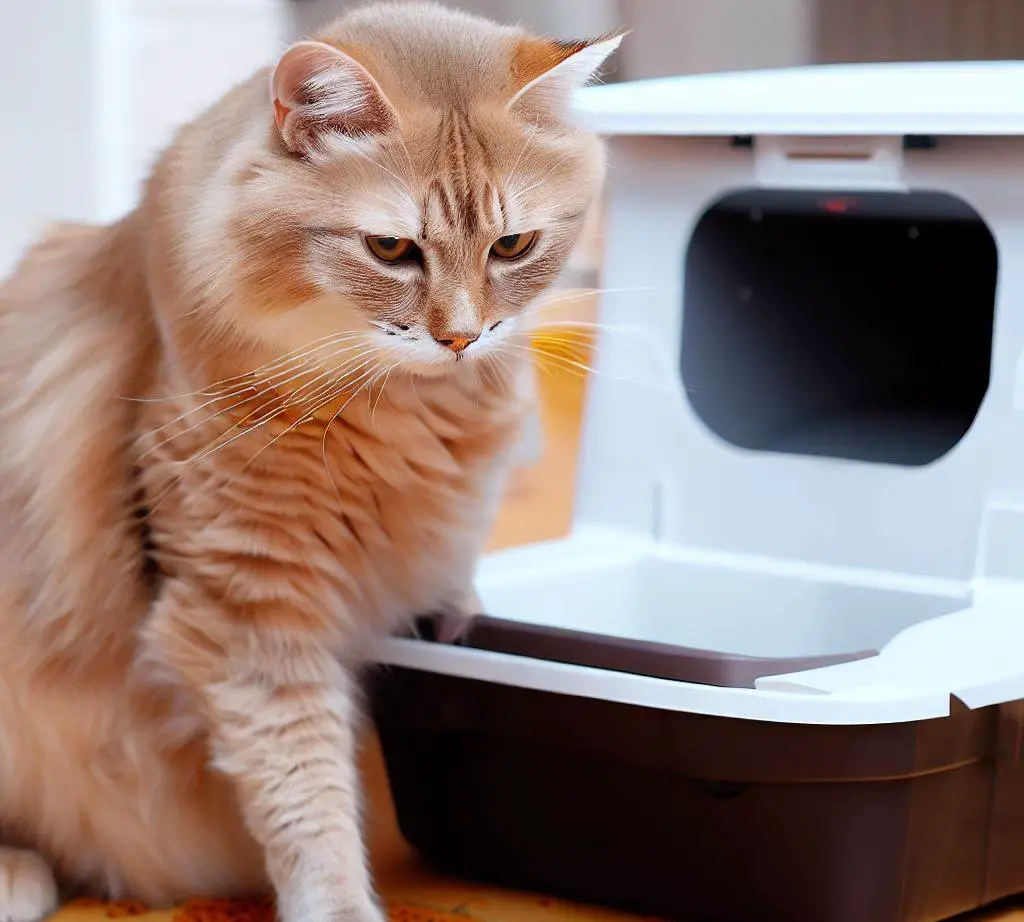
{"type": "Point", "coordinates": [391, 249]}
{"type": "Point", "coordinates": [513, 246]}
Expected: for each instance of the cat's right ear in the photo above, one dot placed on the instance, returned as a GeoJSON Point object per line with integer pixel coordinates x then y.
{"type": "Point", "coordinates": [546, 72]}
{"type": "Point", "coordinates": [317, 89]}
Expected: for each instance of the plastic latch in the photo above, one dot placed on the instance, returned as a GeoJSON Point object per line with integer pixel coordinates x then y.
{"type": "Point", "coordinates": [836, 162]}
{"type": "Point", "coordinates": [997, 565]}
{"type": "Point", "coordinates": [1010, 737]}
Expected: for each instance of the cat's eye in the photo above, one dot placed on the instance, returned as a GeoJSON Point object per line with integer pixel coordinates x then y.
{"type": "Point", "coordinates": [514, 246]}
{"type": "Point", "coordinates": [392, 249]}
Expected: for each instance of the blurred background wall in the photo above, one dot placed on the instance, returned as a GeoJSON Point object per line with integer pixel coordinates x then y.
{"type": "Point", "coordinates": [96, 87]}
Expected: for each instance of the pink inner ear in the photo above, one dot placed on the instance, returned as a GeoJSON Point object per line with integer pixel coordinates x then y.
{"type": "Point", "coordinates": [317, 88]}
{"type": "Point", "coordinates": [280, 113]}
{"type": "Point", "coordinates": [301, 63]}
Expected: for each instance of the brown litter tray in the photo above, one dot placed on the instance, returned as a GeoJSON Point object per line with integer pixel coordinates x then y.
{"type": "Point", "coordinates": [704, 818]}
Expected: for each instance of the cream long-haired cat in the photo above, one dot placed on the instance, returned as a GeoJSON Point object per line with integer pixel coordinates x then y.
{"type": "Point", "coordinates": [253, 426]}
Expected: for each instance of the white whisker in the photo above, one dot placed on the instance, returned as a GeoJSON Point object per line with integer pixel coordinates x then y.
{"type": "Point", "coordinates": [323, 442]}
{"type": "Point", "coordinates": [211, 390]}
{"type": "Point", "coordinates": [224, 411]}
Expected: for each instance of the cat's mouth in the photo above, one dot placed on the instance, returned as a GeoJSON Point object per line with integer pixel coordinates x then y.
{"type": "Point", "coordinates": [415, 350]}
{"type": "Point", "coordinates": [440, 366]}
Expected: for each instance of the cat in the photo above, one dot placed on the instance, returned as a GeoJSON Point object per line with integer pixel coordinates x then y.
{"type": "Point", "coordinates": [251, 428]}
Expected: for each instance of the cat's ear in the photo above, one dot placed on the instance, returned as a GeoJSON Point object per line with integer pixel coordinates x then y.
{"type": "Point", "coordinates": [546, 72]}
{"type": "Point", "coordinates": [317, 88]}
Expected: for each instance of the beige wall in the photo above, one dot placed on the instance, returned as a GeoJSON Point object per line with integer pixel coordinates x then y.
{"type": "Point", "coordinates": [696, 36]}
{"type": "Point", "coordinates": [919, 30]}
{"type": "Point", "coordinates": [669, 36]}
{"type": "Point", "coordinates": [562, 18]}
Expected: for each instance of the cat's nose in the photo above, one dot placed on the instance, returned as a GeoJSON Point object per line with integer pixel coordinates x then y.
{"type": "Point", "coordinates": [458, 342]}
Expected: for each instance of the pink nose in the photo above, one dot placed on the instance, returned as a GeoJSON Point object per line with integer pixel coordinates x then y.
{"type": "Point", "coordinates": [457, 343]}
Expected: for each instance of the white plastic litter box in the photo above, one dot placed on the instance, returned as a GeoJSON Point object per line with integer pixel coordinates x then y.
{"type": "Point", "coordinates": [776, 670]}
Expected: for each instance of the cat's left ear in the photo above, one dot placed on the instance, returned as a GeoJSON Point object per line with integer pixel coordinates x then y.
{"type": "Point", "coordinates": [546, 72]}
{"type": "Point", "coordinates": [317, 88]}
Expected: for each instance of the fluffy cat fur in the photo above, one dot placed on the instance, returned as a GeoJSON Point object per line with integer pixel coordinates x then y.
{"type": "Point", "coordinates": [236, 447]}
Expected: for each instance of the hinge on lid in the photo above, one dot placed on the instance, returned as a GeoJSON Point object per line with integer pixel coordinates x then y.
{"type": "Point", "coordinates": [830, 162]}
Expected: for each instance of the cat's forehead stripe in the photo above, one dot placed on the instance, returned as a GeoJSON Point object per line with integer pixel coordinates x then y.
{"type": "Point", "coordinates": [437, 192]}
{"type": "Point", "coordinates": [463, 195]}
{"type": "Point", "coordinates": [461, 179]}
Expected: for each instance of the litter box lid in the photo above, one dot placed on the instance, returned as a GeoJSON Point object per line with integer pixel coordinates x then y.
{"type": "Point", "coordinates": [955, 98]}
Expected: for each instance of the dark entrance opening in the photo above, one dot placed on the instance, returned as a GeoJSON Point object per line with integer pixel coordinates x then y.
{"type": "Point", "coordinates": [853, 326]}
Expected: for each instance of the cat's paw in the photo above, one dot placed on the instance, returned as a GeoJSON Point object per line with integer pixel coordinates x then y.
{"type": "Point", "coordinates": [368, 913]}
{"type": "Point", "coordinates": [28, 891]}
{"type": "Point", "coordinates": [328, 908]}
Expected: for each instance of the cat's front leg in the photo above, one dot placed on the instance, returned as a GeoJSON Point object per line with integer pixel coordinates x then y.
{"type": "Point", "coordinates": [283, 719]}
{"type": "Point", "coordinates": [454, 619]}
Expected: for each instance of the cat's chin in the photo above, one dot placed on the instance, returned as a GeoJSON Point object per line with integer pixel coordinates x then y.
{"type": "Point", "coordinates": [439, 369]}
{"type": "Point", "coordinates": [424, 363]}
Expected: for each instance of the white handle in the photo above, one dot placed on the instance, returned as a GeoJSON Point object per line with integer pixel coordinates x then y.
{"type": "Point", "coordinates": [830, 162]}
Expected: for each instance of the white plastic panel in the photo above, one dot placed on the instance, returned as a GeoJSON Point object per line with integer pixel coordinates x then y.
{"type": "Point", "coordinates": [955, 98]}
{"type": "Point", "coordinates": [666, 597]}
{"type": "Point", "coordinates": [713, 496]}
{"type": "Point", "coordinates": [973, 654]}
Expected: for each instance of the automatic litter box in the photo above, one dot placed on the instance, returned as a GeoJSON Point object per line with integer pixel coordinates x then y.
{"type": "Point", "coordinates": [776, 672]}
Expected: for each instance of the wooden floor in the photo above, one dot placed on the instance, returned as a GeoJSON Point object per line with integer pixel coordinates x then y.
{"type": "Point", "coordinates": [539, 506]}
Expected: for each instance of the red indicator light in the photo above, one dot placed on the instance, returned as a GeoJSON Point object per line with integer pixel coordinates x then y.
{"type": "Point", "coordinates": [837, 205]}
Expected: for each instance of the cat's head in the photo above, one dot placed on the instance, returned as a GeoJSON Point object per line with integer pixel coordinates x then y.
{"type": "Point", "coordinates": [420, 184]}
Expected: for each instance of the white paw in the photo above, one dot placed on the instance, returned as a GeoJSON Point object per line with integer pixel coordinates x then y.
{"type": "Point", "coordinates": [313, 905]}
{"type": "Point", "coordinates": [28, 892]}
{"type": "Point", "coordinates": [368, 913]}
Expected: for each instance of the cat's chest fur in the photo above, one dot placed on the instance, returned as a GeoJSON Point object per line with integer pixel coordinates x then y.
{"type": "Point", "coordinates": [358, 521]}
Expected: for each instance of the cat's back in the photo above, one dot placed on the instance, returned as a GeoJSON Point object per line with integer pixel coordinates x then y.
{"type": "Point", "coordinates": [66, 285]}
{"type": "Point", "coordinates": [75, 339]}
